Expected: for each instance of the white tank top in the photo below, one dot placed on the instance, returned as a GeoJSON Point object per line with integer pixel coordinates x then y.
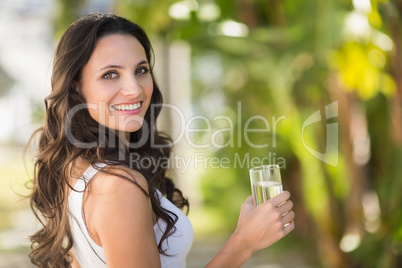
{"type": "Point", "coordinates": [91, 255]}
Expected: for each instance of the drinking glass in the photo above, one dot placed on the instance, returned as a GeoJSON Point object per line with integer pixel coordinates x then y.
{"type": "Point", "coordinates": [265, 183]}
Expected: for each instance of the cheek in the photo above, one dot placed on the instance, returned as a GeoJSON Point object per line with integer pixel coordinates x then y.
{"type": "Point", "coordinates": [149, 89]}
{"type": "Point", "coordinates": [96, 92]}
{"type": "Point", "coordinates": [99, 112]}
{"type": "Point", "coordinates": [97, 105]}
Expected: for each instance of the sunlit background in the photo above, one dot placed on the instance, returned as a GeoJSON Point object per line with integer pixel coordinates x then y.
{"type": "Point", "coordinates": [316, 84]}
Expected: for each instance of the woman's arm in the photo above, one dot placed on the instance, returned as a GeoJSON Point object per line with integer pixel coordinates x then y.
{"type": "Point", "coordinates": [120, 215]}
{"type": "Point", "coordinates": [75, 263]}
{"type": "Point", "coordinates": [258, 228]}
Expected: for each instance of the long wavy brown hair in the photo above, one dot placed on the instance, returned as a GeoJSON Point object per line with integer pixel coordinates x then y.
{"type": "Point", "coordinates": [67, 136]}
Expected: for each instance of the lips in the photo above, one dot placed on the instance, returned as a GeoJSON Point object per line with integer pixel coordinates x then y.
{"type": "Point", "coordinates": [127, 107]}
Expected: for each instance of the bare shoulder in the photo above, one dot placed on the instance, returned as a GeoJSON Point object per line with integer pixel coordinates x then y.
{"type": "Point", "coordinates": [115, 180]}
{"type": "Point", "coordinates": [119, 217]}
{"type": "Point", "coordinates": [116, 189]}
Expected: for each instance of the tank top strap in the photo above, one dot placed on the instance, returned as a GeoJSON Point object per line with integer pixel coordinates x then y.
{"type": "Point", "coordinates": [87, 176]}
{"type": "Point", "coordinates": [88, 253]}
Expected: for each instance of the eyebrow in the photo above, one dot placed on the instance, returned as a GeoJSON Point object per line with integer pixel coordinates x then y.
{"type": "Point", "coordinates": [120, 67]}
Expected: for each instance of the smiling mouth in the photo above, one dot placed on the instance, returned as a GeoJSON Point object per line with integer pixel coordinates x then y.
{"type": "Point", "coordinates": [127, 107]}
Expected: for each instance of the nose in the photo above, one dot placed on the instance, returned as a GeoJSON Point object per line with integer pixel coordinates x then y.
{"type": "Point", "coordinates": [131, 87]}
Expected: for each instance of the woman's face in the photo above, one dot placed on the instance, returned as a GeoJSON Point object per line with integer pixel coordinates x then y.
{"type": "Point", "coordinates": [116, 83]}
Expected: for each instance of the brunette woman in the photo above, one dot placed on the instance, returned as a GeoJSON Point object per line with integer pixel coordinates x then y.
{"type": "Point", "coordinates": [96, 209]}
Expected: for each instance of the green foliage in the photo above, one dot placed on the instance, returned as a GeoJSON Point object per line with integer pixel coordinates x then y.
{"type": "Point", "coordinates": [67, 12]}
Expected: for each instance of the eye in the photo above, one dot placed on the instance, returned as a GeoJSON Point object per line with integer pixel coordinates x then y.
{"type": "Point", "coordinates": [109, 75]}
{"type": "Point", "coordinates": [141, 70]}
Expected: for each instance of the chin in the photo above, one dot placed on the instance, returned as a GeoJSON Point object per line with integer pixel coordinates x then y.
{"type": "Point", "coordinates": [132, 126]}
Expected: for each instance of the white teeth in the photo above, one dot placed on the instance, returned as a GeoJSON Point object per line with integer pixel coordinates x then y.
{"type": "Point", "coordinates": [130, 107]}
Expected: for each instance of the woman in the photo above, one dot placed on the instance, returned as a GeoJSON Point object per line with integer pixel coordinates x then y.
{"type": "Point", "coordinates": [96, 210]}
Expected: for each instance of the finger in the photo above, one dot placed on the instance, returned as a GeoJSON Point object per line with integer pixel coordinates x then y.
{"type": "Point", "coordinates": [288, 228]}
{"type": "Point", "coordinates": [249, 201]}
{"type": "Point", "coordinates": [280, 198]}
{"type": "Point", "coordinates": [288, 217]}
{"type": "Point", "coordinates": [285, 207]}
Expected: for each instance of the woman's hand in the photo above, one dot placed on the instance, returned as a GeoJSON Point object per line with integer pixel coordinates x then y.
{"type": "Point", "coordinates": [258, 228]}
{"type": "Point", "coordinates": [261, 226]}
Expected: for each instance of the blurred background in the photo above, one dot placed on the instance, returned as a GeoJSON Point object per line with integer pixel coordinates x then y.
{"type": "Point", "coordinates": [318, 85]}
